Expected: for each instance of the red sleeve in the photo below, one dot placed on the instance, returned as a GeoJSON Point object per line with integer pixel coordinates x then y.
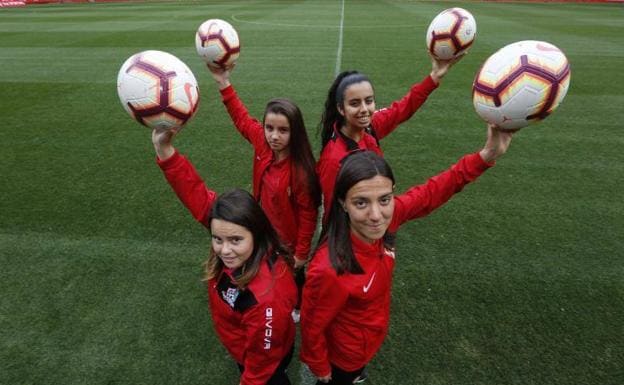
{"type": "Point", "coordinates": [307, 213]}
{"type": "Point", "coordinates": [323, 297]}
{"type": "Point", "coordinates": [267, 331]}
{"type": "Point", "coordinates": [250, 128]}
{"type": "Point", "coordinates": [188, 186]}
{"type": "Point", "coordinates": [387, 119]}
{"type": "Point", "coordinates": [421, 200]}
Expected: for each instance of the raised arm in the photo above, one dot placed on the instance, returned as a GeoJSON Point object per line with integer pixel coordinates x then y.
{"type": "Point", "coordinates": [422, 199]}
{"type": "Point", "coordinates": [250, 128]}
{"type": "Point", "coordinates": [182, 176]}
{"type": "Point", "coordinates": [387, 119]}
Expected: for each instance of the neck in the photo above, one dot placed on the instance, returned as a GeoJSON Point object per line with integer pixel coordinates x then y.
{"type": "Point", "coordinates": [353, 133]}
{"type": "Point", "coordinates": [362, 237]}
{"type": "Point", "coordinates": [280, 155]}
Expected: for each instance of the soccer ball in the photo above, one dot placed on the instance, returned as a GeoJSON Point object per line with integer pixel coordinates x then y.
{"type": "Point", "coordinates": [217, 43]}
{"type": "Point", "coordinates": [158, 90]}
{"type": "Point", "coordinates": [520, 84]}
{"type": "Point", "coordinates": [451, 33]}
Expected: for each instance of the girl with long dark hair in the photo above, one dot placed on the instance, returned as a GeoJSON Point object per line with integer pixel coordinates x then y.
{"type": "Point", "coordinates": [351, 122]}
{"type": "Point", "coordinates": [346, 297]}
{"type": "Point", "coordinates": [284, 178]}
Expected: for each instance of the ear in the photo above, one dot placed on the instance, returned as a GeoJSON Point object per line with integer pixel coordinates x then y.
{"type": "Point", "coordinates": [340, 109]}
{"type": "Point", "coordinates": [342, 203]}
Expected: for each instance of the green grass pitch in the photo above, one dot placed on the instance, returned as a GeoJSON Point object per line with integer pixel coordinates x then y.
{"type": "Point", "coordinates": [518, 280]}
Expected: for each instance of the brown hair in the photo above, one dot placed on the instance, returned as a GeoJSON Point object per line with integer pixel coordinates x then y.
{"type": "Point", "coordinates": [239, 207]}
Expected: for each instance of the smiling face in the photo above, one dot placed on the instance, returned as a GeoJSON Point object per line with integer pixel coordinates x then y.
{"type": "Point", "coordinates": [358, 106]}
{"type": "Point", "coordinates": [233, 244]}
{"type": "Point", "coordinates": [370, 205]}
{"type": "Point", "coordinates": [277, 133]}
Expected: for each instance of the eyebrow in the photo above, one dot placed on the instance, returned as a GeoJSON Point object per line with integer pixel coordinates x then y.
{"type": "Point", "coordinates": [391, 193]}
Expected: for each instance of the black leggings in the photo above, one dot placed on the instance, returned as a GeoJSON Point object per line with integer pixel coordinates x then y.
{"type": "Point", "coordinates": [341, 377]}
{"type": "Point", "coordinates": [279, 377]}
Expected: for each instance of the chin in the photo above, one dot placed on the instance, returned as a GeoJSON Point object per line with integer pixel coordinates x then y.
{"type": "Point", "coordinates": [231, 265]}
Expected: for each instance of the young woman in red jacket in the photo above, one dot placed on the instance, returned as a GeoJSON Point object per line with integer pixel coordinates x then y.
{"type": "Point", "coordinates": [284, 178]}
{"type": "Point", "coordinates": [346, 297]}
{"type": "Point", "coordinates": [350, 121]}
{"type": "Point", "coordinates": [251, 289]}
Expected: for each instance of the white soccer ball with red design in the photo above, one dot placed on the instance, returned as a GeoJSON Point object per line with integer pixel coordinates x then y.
{"type": "Point", "coordinates": [522, 83]}
{"type": "Point", "coordinates": [158, 90]}
{"type": "Point", "coordinates": [451, 33]}
{"type": "Point", "coordinates": [217, 43]}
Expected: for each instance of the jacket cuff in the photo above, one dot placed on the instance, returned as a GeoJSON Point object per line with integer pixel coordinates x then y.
{"type": "Point", "coordinates": [169, 162]}
{"type": "Point", "coordinates": [227, 93]}
{"type": "Point", "coordinates": [428, 84]}
{"type": "Point", "coordinates": [477, 161]}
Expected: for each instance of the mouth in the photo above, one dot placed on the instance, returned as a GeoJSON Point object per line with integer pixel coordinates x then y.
{"type": "Point", "coordinates": [378, 227]}
{"type": "Point", "coordinates": [228, 260]}
{"type": "Point", "coordinates": [363, 119]}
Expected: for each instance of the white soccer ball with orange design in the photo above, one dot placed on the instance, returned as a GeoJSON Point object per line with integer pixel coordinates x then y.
{"type": "Point", "coordinates": [520, 84]}
{"type": "Point", "coordinates": [158, 90]}
{"type": "Point", "coordinates": [451, 33]}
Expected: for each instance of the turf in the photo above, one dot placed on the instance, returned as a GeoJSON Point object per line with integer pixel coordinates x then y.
{"type": "Point", "coordinates": [519, 280]}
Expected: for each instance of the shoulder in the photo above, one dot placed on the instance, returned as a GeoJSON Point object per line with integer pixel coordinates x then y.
{"type": "Point", "coordinates": [320, 263]}
{"type": "Point", "coordinates": [272, 282]}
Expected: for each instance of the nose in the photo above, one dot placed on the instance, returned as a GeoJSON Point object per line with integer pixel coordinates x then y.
{"type": "Point", "coordinates": [225, 248]}
{"type": "Point", "coordinates": [375, 213]}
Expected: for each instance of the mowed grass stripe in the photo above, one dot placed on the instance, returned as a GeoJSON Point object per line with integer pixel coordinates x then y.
{"type": "Point", "coordinates": [91, 306]}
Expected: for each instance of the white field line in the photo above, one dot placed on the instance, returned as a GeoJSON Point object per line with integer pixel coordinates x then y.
{"type": "Point", "coordinates": [339, 52]}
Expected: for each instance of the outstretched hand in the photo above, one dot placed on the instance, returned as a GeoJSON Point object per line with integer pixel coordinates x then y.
{"type": "Point", "coordinates": [440, 67]}
{"type": "Point", "coordinates": [221, 75]}
{"type": "Point", "coordinates": [497, 143]}
{"type": "Point", "coordinates": [162, 140]}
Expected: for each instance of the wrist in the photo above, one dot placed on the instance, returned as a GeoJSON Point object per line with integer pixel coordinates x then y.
{"type": "Point", "coordinates": [435, 77]}
{"type": "Point", "coordinates": [164, 152]}
{"type": "Point", "coordinates": [487, 155]}
{"type": "Point", "coordinates": [223, 84]}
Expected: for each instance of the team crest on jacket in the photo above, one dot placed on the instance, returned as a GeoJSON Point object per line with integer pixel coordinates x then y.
{"type": "Point", "coordinates": [230, 295]}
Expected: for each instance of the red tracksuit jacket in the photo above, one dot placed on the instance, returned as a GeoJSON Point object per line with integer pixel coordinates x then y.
{"type": "Point", "coordinates": [286, 201]}
{"type": "Point", "coordinates": [383, 122]}
{"type": "Point", "coordinates": [254, 324]}
{"type": "Point", "coordinates": [344, 318]}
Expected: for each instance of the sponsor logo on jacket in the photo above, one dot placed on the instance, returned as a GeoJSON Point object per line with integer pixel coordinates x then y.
{"type": "Point", "coordinates": [268, 327]}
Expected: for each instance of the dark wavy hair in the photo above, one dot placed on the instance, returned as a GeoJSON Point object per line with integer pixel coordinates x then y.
{"type": "Point", "coordinates": [356, 167]}
{"type": "Point", "coordinates": [239, 207]}
{"type": "Point", "coordinates": [299, 145]}
{"type": "Point", "coordinates": [335, 96]}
